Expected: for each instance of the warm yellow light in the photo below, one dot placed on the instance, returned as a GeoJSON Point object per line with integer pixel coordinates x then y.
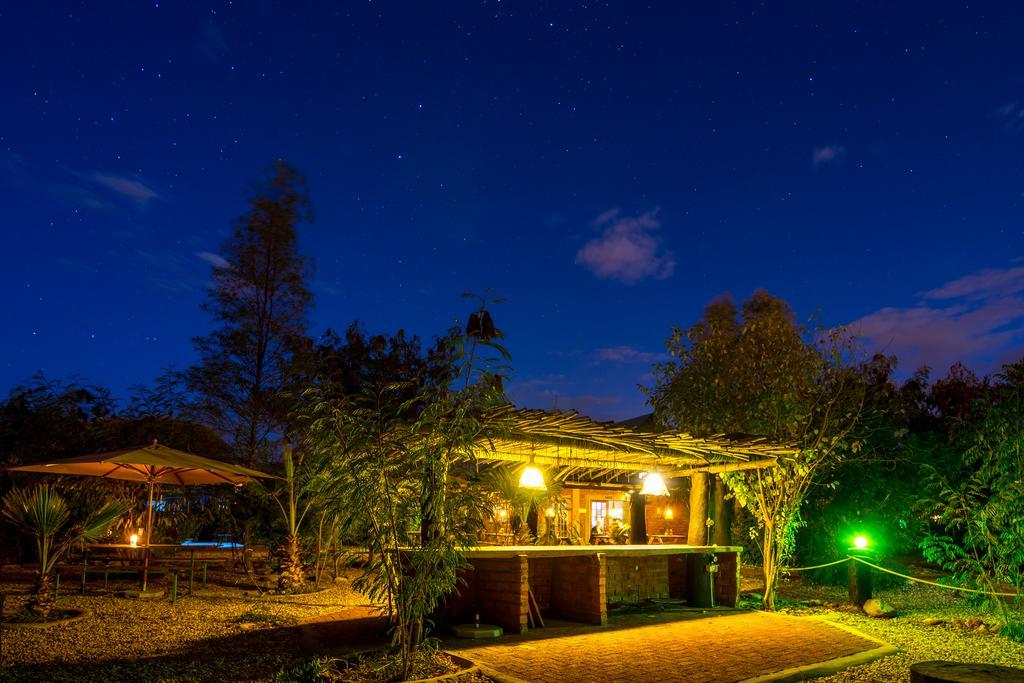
{"type": "Point", "coordinates": [654, 485]}
{"type": "Point", "coordinates": [531, 478]}
{"type": "Point", "coordinates": [503, 514]}
{"type": "Point", "coordinates": [550, 512]}
{"type": "Point", "coordinates": [861, 542]}
{"type": "Point", "coordinates": [133, 540]}
{"type": "Point", "coordinates": [668, 513]}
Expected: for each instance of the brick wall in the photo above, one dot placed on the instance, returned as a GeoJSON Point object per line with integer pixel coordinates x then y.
{"type": "Point", "coordinates": [630, 578]}
{"type": "Point", "coordinates": [496, 589]}
{"type": "Point", "coordinates": [541, 569]}
{"type": "Point", "coordinates": [578, 588]}
{"type": "Point", "coordinates": [657, 524]}
{"type": "Point", "coordinates": [727, 583]}
{"type": "Point", "coordinates": [677, 576]}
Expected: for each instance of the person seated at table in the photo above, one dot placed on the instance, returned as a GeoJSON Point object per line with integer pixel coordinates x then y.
{"type": "Point", "coordinates": [618, 531]}
{"type": "Point", "coordinates": [597, 533]}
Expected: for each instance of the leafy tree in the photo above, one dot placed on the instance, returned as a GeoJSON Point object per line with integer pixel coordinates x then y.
{"type": "Point", "coordinates": [344, 365]}
{"type": "Point", "coordinates": [45, 515]}
{"type": "Point", "coordinates": [980, 504]}
{"type": "Point", "coordinates": [878, 490]}
{"type": "Point", "coordinates": [757, 371]}
{"type": "Point", "coordinates": [47, 419]}
{"type": "Point", "coordinates": [259, 299]}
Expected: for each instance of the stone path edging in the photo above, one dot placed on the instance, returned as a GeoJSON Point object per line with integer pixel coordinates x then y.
{"type": "Point", "coordinates": [78, 616]}
{"type": "Point", "coordinates": [829, 666]}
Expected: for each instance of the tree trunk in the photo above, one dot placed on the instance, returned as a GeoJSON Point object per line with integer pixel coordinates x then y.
{"type": "Point", "coordinates": [41, 602]}
{"type": "Point", "coordinates": [697, 531]}
{"type": "Point", "coordinates": [769, 569]}
{"type": "Point", "coordinates": [723, 514]}
{"type": "Point", "coordinates": [292, 578]}
{"type": "Point", "coordinates": [638, 519]}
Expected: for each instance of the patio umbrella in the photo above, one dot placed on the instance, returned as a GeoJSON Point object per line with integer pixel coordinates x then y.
{"type": "Point", "coordinates": [153, 464]}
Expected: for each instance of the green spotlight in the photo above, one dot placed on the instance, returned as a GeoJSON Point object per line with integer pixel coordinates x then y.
{"type": "Point", "coordinates": [860, 542]}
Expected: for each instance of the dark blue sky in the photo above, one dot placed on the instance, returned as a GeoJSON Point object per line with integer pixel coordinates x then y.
{"type": "Point", "coordinates": [609, 167]}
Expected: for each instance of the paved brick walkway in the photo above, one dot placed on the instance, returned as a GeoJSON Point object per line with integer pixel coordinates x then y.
{"type": "Point", "coordinates": [723, 646]}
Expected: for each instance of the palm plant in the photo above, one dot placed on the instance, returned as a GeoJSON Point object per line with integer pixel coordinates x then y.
{"type": "Point", "coordinates": [296, 495]}
{"type": "Point", "coordinates": [503, 482]}
{"type": "Point", "coordinates": [45, 514]}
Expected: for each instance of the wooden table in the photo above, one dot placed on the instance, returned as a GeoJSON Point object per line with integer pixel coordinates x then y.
{"type": "Point", "coordinates": [668, 538]}
{"type": "Point", "coordinates": [128, 555]}
{"type": "Point", "coordinates": [128, 549]}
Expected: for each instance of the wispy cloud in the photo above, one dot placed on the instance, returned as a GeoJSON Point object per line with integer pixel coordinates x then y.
{"type": "Point", "coordinates": [211, 42]}
{"type": "Point", "coordinates": [93, 189]}
{"type": "Point", "coordinates": [213, 259]}
{"type": "Point", "coordinates": [1011, 115]}
{"type": "Point", "coordinates": [549, 393]}
{"type": "Point", "coordinates": [828, 154]}
{"type": "Point", "coordinates": [983, 284]}
{"type": "Point", "coordinates": [977, 319]}
{"type": "Point", "coordinates": [628, 249]}
{"type": "Point", "coordinates": [133, 189]}
{"type": "Point", "coordinates": [627, 354]}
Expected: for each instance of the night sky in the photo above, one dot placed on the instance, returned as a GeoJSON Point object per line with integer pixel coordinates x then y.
{"type": "Point", "coordinates": [608, 167]}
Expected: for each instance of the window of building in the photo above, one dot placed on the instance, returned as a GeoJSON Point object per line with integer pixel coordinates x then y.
{"type": "Point", "coordinates": [601, 511]}
{"type": "Point", "coordinates": [598, 513]}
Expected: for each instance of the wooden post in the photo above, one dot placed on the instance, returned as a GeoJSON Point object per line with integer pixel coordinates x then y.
{"type": "Point", "coordinates": [697, 531]}
{"type": "Point", "coordinates": [723, 514]}
{"type": "Point", "coordinates": [859, 582]}
{"type": "Point", "coordinates": [638, 519]}
{"type": "Point", "coordinates": [149, 531]}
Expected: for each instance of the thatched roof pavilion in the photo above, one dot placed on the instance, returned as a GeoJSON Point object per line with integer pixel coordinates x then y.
{"type": "Point", "coordinates": [574, 446]}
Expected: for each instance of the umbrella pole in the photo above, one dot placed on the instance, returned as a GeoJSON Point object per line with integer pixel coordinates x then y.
{"type": "Point", "coordinates": [149, 535]}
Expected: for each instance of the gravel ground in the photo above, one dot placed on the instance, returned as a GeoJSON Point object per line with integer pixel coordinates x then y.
{"type": "Point", "coordinates": [223, 633]}
{"type": "Point", "coordinates": [231, 634]}
{"type": "Point", "coordinates": [915, 604]}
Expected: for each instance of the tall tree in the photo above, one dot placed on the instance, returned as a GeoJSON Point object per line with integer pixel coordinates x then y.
{"type": "Point", "coordinates": [756, 370]}
{"type": "Point", "coordinates": [259, 301]}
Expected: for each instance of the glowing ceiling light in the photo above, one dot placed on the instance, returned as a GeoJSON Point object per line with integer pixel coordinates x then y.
{"type": "Point", "coordinates": [532, 479]}
{"type": "Point", "coordinates": [654, 485]}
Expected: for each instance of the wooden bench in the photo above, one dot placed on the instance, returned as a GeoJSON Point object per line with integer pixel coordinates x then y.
{"type": "Point", "coordinates": [191, 563]}
{"type": "Point", "coordinates": [120, 565]}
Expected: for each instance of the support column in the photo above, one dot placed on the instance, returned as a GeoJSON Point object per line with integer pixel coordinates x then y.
{"type": "Point", "coordinates": [638, 519]}
{"type": "Point", "coordinates": [697, 531]}
{"type": "Point", "coordinates": [723, 514]}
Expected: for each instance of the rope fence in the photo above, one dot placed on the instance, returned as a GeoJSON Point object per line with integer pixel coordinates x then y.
{"type": "Point", "coordinates": [817, 566]}
{"type": "Point", "coordinates": [903, 576]}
